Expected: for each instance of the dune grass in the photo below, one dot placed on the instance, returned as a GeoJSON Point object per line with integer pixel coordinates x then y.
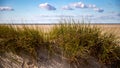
{"type": "Point", "coordinates": [71, 41]}
{"type": "Point", "coordinates": [19, 40]}
{"type": "Point", "coordinates": [76, 41]}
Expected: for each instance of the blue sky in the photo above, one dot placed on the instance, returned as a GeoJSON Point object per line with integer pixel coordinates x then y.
{"type": "Point", "coordinates": [49, 11]}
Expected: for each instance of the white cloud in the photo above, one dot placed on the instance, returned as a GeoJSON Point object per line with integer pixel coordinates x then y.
{"type": "Point", "coordinates": [82, 5]}
{"type": "Point", "coordinates": [98, 9]}
{"type": "Point", "coordinates": [47, 6]}
{"type": "Point", "coordinates": [92, 6]}
{"type": "Point", "coordinates": [67, 8]}
{"type": "Point", "coordinates": [79, 5]}
{"type": "Point", "coordinates": [6, 8]}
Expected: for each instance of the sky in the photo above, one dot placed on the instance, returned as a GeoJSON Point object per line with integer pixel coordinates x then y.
{"type": "Point", "coordinates": [51, 11]}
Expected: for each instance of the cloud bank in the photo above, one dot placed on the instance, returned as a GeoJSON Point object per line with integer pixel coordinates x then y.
{"type": "Point", "coordinates": [47, 6]}
{"type": "Point", "coordinates": [6, 8]}
{"type": "Point", "coordinates": [72, 6]}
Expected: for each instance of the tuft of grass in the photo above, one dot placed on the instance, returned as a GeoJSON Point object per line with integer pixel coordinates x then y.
{"type": "Point", "coordinates": [20, 40]}
{"type": "Point", "coordinates": [8, 37]}
{"type": "Point", "coordinates": [76, 41]}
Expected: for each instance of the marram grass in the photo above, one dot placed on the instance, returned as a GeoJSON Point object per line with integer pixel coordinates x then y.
{"type": "Point", "coordinates": [71, 41]}
{"type": "Point", "coordinates": [19, 39]}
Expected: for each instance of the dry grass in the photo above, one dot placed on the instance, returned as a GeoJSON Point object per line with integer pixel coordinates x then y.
{"type": "Point", "coordinates": [115, 29]}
